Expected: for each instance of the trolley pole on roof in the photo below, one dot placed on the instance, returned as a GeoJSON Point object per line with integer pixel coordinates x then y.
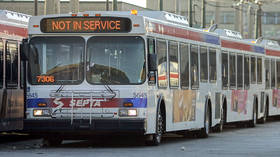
{"type": "Point", "coordinates": [203, 14]}
{"type": "Point", "coordinates": [160, 4]}
{"type": "Point", "coordinates": [35, 7]}
{"type": "Point", "coordinates": [115, 5]}
{"type": "Point", "coordinates": [190, 13]}
{"type": "Point", "coordinates": [107, 5]}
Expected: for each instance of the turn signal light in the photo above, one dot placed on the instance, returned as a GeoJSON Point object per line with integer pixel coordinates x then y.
{"type": "Point", "coordinates": [128, 104]}
{"type": "Point", "coordinates": [136, 25]}
{"type": "Point", "coordinates": [35, 26]}
{"type": "Point", "coordinates": [42, 104]}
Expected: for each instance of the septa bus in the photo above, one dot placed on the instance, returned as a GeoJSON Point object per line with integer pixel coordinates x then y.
{"type": "Point", "coordinates": [141, 72]}
{"type": "Point", "coordinates": [13, 28]}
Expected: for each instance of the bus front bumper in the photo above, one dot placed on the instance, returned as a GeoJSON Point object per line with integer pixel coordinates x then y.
{"type": "Point", "coordinates": [96, 125]}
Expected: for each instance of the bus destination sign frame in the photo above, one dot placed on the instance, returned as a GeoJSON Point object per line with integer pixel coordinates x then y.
{"type": "Point", "coordinates": [86, 25]}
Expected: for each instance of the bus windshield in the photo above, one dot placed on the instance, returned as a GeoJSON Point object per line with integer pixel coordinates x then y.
{"type": "Point", "coordinates": [56, 60]}
{"type": "Point", "coordinates": [115, 60]}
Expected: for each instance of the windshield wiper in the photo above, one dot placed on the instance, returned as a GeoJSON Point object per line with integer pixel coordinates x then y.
{"type": "Point", "coordinates": [59, 89]}
{"type": "Point", "coordinates": [109, 89]}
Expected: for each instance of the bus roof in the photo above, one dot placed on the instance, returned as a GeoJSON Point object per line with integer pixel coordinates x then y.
{"type": "Point", "coordinates": [14, 16]}
{"type": "Point", "coordinates": [13, 24]}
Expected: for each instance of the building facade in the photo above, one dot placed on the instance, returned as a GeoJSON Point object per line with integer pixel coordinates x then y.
{"type": "Point", "coordinates": [27, 6]}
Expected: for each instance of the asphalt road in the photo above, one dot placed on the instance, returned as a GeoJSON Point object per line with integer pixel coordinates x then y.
{"type": "Point", "coordinates": [262, 141]}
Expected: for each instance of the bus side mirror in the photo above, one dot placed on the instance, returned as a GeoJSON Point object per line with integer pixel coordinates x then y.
{"type": "Point", "coordinates": [152, 62]}
{"type": "Point", "coordinates": [25, 49]}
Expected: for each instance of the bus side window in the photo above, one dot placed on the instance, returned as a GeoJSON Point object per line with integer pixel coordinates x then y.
{"type": "Point", "coordinates": [11, 64]}
{"type": "Point", "coordinates": [225, 70]}
{"type": "Point", "coordinates": [161, 48]}
{"type": "Point", "coordinates": [203, 64]}
{"type": "Point", "coordinates": [1, 62]}
{"type": "Point", "coordinates": [278, 74]}
{"type": "Point", "coordinates": [259, 70]}
{"type": "Point", "coordinates": [273, 75]}
{"type": "Point", "coordinates": [240, 71]}
{"type": "Point", "coordinates": [194, 67]}
{"type": "Point", "coordinates": [173, 64]}
{"type": "Point", "coordinates": [232, 70]}
{"type": "Point", "coordinates": [246, 72]}
{"type": "Point", "coordinates": [22, 69]}
{"type": "Point", "coordinates": [267, 74]}
{"type": "Point", "coordinates": [184, 65]}
{"type": "Point", "coordinates": [151, 46]}
{"type": "Point", "coordinates": [212, 65]}
{"type": "Point", "coordinates": [253, 70]}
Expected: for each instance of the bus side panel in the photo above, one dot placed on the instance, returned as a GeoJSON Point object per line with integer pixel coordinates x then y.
{"type": "Point", "coordinates": [12, 110]}
{"type": "Point", "coordinates": [151, 112]}
{"type": "Point", "coordinates": [274, 101]}
{"type": "Point", "coordinates": [2, 109]}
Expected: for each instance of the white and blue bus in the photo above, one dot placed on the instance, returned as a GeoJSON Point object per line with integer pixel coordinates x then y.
{"type": "Point", "coordinates": [139, 72]}
{"type": "Point", "coordinates": [13, 28]}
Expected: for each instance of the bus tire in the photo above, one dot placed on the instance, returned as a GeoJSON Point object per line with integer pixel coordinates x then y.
{"type": "Point", "coordinates": [155, 139]}
{"type": "Point", "coordinates": [253, 122]}
{"type": "Point", "coordinates": [52, 141]}
{"type": "Point", "coordinates": [265, 115]}
{"type": "Point", "coordinates": [220, 127]}
{"type": "Point", "coordinates": [204, 132]}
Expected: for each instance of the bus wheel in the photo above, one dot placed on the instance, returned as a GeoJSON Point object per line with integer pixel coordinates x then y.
{"type": "Point", "coordinates": [265, 115]}
{"type": "Point", "coordinates": [155, 139]}
{"type": "Point", "coordinates": [253, 122]}
{"type": "Point", "coordinates": [204, 132]}
{"type": "Point", "coordinates": [220, 127]}
{"type": "Point", "coordinates": [52, 141]}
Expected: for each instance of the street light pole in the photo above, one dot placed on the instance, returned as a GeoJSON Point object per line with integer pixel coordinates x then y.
{"type": "Point", "coordinates": [107, 5]}
{"type": "Point", "coordinates": [258, 23]}
{"type": "Point", "coordinates": [35, 7]}
{"type": "Point", "coordinates": [203, 14]}
{"type": "Point", "coordinates": [160, 4]}
{"type": "Point", "coordinates": [249, 21]}
{"type": "Point", "coordinates": [115, 5]}
{"type": "Point", "coordinates": [241, 18]}
{"type": "Point", "coordinates": [190, 13]}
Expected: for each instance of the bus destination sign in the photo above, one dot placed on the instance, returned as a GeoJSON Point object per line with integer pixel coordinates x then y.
{"type": "Point", "coordinates": [86, 25]}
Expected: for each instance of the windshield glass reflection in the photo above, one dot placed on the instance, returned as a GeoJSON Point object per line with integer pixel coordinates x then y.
{"type": "Point", "coordinates": [115, 60]}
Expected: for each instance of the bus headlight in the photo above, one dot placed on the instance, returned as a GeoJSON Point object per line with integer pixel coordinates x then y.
{"type": "Point", "coordinates": [37, 112]}
{"type": "Point", "coordinates": [41, 112]}
{"type": "Point", "coordinates": [132, 112]}
{"type": "Point", "coordinates": [128, 112]}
